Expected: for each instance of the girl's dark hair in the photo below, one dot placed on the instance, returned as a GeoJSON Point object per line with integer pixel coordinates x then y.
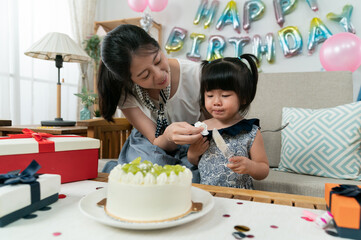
{"type": "Point", "coordinates": [114, 78]}
{"type": "Point", "coordinates": [231, 74]}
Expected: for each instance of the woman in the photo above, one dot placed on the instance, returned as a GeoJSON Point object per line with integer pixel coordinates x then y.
{"type": "Point", "coordinates": [158, 96]}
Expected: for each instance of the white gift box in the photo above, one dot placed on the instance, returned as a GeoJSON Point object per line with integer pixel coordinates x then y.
{"type": "Point", "coordinates": [21, 199]}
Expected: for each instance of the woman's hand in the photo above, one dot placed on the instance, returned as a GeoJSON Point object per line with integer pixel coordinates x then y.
{"type": "Point", "coordinates": [182, 133]}
{"type": "Point", "coordinates": [196, 150]}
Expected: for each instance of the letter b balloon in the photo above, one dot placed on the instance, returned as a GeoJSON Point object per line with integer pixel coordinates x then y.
{"type": "Point", "coordinates": [341, 52]}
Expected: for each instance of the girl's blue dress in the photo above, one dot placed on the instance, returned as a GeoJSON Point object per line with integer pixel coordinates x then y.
{"type": "Point", "coordinates": [212, 165]}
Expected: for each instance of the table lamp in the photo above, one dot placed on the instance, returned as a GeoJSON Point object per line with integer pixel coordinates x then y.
{"type": "Point", "coordinates": [60, 48]}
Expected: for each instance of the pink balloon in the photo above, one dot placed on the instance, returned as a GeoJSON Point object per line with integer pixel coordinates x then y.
{"type": "Point", "coordinates": [341, 52]}
{"type": "Point", "coordinates": [138, 5]}
{"type": "Point", "coordinates": [157, 5]}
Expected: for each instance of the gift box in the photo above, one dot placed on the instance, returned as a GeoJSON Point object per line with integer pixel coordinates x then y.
{"type": "Point", "coordinates": [73, 157]}
{"type": "Point", "coordinates": [24, 193]}
{"type": "Point", "coordinates": [344, 202]}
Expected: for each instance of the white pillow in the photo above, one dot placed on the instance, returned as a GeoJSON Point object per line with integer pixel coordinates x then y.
{"type": "Point", "coordinates": [322, 142]}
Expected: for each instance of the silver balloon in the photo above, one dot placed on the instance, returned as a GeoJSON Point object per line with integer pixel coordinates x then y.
{"type": "Point", "coordinates": [267, 49]}
{"type": "Point", "coordinates": [239, 43]}
{"type": "Point", "coordinates": [146, 22]}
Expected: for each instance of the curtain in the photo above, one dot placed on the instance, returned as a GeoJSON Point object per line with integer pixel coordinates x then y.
{"type": "Point", "coordinates": [82, 14]}
{"type": "Point", "coordinates": [28, 85]}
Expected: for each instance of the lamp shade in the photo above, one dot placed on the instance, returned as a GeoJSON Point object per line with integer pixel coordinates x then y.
{"type": "Point", "coordinates": [55, 43]}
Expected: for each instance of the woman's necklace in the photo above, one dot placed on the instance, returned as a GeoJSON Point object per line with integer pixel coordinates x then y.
{"type": "Point", "coordinates": [164, 94]}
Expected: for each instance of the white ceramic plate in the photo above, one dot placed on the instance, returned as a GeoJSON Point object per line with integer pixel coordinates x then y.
{"type": "Point", "coordinates": [88, 206]}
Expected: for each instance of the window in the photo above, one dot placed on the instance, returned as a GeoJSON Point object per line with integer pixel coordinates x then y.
{"type": "Point", "coordinates": [28, 85]}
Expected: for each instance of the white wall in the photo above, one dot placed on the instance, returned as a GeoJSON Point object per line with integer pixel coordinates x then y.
{"type": "Point", "coordinates": [181, 13]}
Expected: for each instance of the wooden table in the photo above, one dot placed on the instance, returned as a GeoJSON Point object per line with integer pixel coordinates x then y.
{"type": "Point", "coordinates": [255, 195]}
{"type": "Point", "coordinates": [77, 130]}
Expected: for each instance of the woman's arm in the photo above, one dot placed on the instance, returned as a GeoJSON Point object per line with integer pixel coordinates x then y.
{"type": "Point", "coordinates": [176, 133]}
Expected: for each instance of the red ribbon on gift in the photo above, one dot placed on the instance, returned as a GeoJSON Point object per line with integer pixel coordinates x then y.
{"type": "Point", "coordinates": [45, 145]}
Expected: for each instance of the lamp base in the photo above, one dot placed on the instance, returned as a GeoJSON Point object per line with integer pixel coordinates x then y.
{"type": "Point", "coordinates": [58, 122]}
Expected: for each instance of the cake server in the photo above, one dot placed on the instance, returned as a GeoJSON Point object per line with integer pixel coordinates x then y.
{"type": "Point", "coordinates": [221, 144]}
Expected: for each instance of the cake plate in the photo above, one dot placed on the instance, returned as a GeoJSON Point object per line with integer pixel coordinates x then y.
{"type": "Point", "coordinates": [88, 206]}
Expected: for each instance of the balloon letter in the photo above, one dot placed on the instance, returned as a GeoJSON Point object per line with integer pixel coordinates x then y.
{"type": "Point", "coordinates": [229, 16]}
{"type": "Point", "coordinates": [175, 40]}
{"type": "Point", "coordinates": [239, 43]}
{"type": "Point", "coordinates": [318, 33]}
{"type": "Point", "coordinates": [344, 19]}
{"type": "Point", "coordinates": [252, 10]}
{"type": "Point", "coordinates": [268, 49]}
{"type": "Point", "coordinates": [207, 14]}
{"type": "Point", "coordinates": [341, 52]}
{"type": "Point", "coordinates": [313, 5]}
{"type": "Point", "coordinates": [194, 53]}
{"type": "Point", "coordinates": [281, 8]}
{"type": "Point", "coordinates": [216, 45]}
{"type": "Point", "coordinates": [287, 33]}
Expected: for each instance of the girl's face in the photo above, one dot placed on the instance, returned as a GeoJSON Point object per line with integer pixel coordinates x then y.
{"type": "Point", "coordinates": [150, 71]}
{"type": "Point", "coordinates": [221, 104]}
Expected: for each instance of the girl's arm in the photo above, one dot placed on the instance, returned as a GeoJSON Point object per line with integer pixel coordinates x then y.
{"type": "Point", "coordinates": [175, 133]}
{"type": "Point", "coordinates": [196, 150]}
{"type": "Point", "coordinates": [258, 167]}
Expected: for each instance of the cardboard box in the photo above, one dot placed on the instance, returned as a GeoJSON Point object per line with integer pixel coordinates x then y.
{"type": "Point", "coordinates": [74, 158]}
{"type": "Point", "coordinates": [19, 200]}
{"type": "Point", "coordinates": [346, 210]}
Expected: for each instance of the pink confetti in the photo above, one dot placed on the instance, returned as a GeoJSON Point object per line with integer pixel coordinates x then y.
{"type": "Point", "coordinates": [226, 215]}
{"type": "Point", "coordinates": [307, 219]}
{"type": "Point", "coordinates": [273, 226]}
{"type": "Point", "coordinates": [98, 188]}
{"type": "Point", "coordinates": [61, 196]}
{"type": "Point", "coordinates": [250, 236]}
{"type": "Point", "coordinates": [240, 203]}
{"type": "Point", "coordinates": [56, 234]}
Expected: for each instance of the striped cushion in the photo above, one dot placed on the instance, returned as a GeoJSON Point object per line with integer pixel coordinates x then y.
{"type": "Point", "coordinates": [323, 142]}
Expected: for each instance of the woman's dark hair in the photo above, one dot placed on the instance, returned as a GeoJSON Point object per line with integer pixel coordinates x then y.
{"type": "Point", "coordinates": [231, 74]}
{"type": "Point", "coordinates": [114, 78]}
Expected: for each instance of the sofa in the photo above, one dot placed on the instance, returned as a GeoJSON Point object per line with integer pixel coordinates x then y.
{"type": "Point", "coordinates": [310, 90]}
{"type": "Point", "coordinates": [300, 90]}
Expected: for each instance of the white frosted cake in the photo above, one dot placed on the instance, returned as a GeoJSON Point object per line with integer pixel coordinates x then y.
{"type": "Point", "coordinates": [143, 192]}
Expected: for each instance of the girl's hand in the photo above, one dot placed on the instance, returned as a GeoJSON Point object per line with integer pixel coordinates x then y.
{"type": "Point", "coordinates": [196, 150]}
{"type": "Point", "coordinates": [182, 133]}
{"type": "Point", "coordinates": [240, 165]}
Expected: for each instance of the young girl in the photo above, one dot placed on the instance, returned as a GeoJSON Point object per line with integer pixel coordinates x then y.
{"type": "Point", "coordinates": [228, 86]}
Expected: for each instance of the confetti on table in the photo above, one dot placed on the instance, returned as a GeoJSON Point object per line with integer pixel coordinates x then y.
{"type": "Point", "coordinates": [56, 234]}
{"type": "Point", "coordinates": [61, 196]}
{"type": "Point", "coordinates": [239, 203]}
{"type": "Point", "coordinates": [274, 226]}
{"type": "Point", "coordinates": [99, 188]}
{"type": "Point", "coordinates": [226, 215]}
{"type": "Point", "coordinates": [241, 228]}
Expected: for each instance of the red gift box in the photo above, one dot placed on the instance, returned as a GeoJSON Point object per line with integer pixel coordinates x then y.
{"type": "Point", "coordinates": [75, 158]}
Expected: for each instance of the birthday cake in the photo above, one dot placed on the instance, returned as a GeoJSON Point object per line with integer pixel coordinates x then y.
{"type": "Point", "coordinates": [143, 192]}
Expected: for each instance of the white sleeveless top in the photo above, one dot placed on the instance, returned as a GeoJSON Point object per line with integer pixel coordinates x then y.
{"type": "Point", "coordinates": [184, 105]}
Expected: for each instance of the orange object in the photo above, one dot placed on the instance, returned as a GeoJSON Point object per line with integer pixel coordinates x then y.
{"type": "Point", "coordinates": [345, 210]}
